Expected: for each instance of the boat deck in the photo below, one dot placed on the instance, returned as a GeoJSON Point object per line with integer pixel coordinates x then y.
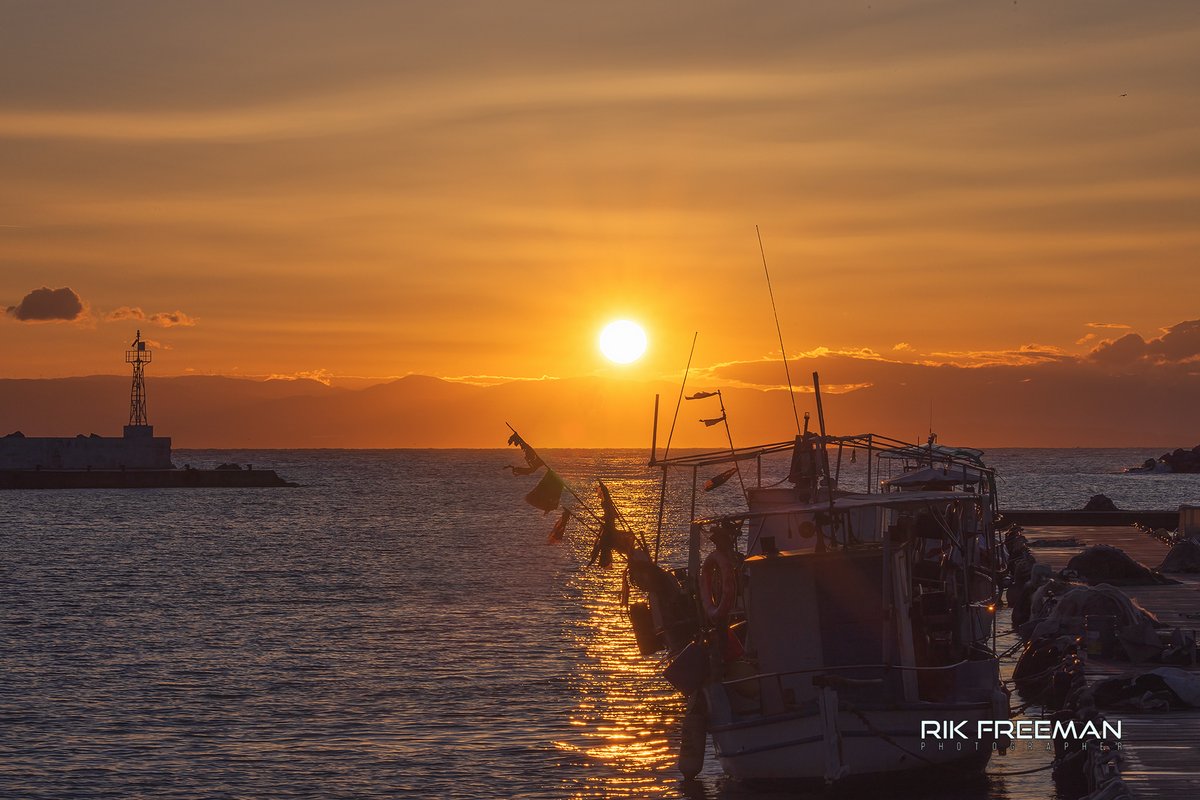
{"type": "Point", "coordinates": [1159, 750]}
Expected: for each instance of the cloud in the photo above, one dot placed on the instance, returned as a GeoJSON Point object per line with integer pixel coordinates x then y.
{"type": "Point", "coordinates": [1128, 349]}
{"type": "Point", "coordinates": [1022, 356]}
{"type": "Point", "coordinates": [495, 380]}
{"type": "Point", "coordinates": [856, 369]}
{"type": "Point", "coordinates": [165, 319]}
{"type": "Point", "coordinates": [1115, 325]}
{"type": "Point", "coordinates": [123, 313]}
{"type": "Point", "coordinates": [903, 347]}
{"type": "Point", "coordinates": [49, 305]}
{"type": "Point", "coordinates": [319, 375]}
{"type": "Point", "coordinates": [1178, 344]}
{"type": "Point", "coordinates": [172, 319]}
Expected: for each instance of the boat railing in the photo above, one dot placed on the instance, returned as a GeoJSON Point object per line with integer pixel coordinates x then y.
{"type": "Point", "coordinates": [846, 668]}
{"type": "Point", "coordinates": [777, 692]}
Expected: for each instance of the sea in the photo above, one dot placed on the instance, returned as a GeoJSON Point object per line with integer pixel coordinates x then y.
{"type": "Point", "coordinates": [397, 626]}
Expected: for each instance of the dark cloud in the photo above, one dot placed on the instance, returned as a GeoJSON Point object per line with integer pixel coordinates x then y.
{"type": "Point", "coordinates": [1179, 343]}
{"type": "Point", "coordinates": [1129, 348]}
{"type": "Point", "coordinates": [48, 305]}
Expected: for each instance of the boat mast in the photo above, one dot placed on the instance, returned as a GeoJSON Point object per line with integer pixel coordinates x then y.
{"type": "Point", "coordinates": [662, 496]}
{"type": "Point", "coordinates": [778, 330]}
{"type": "Point", "coordinates": [824, 455]}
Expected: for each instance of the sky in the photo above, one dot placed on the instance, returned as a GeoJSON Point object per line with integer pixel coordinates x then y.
{"type": "Point", "coordinates": [360, 191]}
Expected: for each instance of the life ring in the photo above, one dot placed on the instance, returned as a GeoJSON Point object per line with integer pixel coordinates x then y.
{"type": "Point", "coordinates": [718, 585]}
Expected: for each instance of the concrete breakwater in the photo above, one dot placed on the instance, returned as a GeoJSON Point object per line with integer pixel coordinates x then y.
{"type": "Point", "coordinates": [140, 479]}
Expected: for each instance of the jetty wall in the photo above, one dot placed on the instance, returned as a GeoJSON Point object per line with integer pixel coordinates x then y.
{"type": "Point", "coordinates": [139, 450]}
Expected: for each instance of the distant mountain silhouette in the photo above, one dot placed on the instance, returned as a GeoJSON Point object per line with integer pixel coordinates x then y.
{"type": "Point", "coordinates": [1054, 405]}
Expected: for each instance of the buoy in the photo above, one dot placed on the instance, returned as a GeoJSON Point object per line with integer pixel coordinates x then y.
{"type": "Point", "coordinates": [693, 738]}
{"type": "Point", "coordinates": [718, 585]}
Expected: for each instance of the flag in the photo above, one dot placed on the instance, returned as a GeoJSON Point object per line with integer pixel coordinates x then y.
{"type": "Point", "coordinates": [717, 480]}
{"type": "Point", "coordinates": [607, 540]}
{"type": "Point", "coordinates": [708, 423]}
{"type": "Point", "coordinates": [560, 528]}
{"type": "Point", "coordinates": [532, 460]}
{"type": "Point", "coordinates": [606, 502]}
{"type": "Point", "coordinates": [700, 395]}
{"type": "Point", "coordinates": [547, 493]}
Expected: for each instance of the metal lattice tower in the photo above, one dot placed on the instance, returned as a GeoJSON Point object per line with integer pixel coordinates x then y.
{"type": "Point", "coordinates": [139, 356]}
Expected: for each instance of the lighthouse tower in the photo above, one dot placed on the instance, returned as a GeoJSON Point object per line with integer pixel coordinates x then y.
{"type": "Point", "coordinates": [139, 357]}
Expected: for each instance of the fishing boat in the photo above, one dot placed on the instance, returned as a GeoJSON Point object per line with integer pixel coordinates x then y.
{"type": "Point", "coordinates": [832, 624]}
{"type": "Point", "coordinates": [819, 633]}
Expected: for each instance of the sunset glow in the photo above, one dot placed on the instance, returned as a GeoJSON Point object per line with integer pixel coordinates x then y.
{"type": "Point", "coordinates": [468, 194]}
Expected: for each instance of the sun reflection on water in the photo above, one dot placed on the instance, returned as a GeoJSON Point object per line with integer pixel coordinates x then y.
{"type": "Point", "coordinates": [626, 715]}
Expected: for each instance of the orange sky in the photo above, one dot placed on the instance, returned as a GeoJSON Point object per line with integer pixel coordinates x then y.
{"type": "Point", "coordinates": [474, 188]}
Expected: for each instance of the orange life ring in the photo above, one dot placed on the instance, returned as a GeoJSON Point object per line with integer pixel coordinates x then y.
{"type": "Point", "coordinates": [718, 585]}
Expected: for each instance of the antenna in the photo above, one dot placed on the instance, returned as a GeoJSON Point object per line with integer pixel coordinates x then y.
{"type": "Point", "coordinates": [139, 357]}
{"type": "Point", "coordinates": [679, 400]}
{"type": "Point", "coordinates": [778, 330]}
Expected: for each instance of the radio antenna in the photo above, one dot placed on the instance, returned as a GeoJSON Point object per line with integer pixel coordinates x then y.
{"type": "Point", "coordinates": [679, 401]}
{"type": "Point", "coordinates": [778, 330]}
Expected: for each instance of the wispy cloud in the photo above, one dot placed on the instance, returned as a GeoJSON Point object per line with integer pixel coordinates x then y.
{"type": "Point", "coordinates": [1024, 355]}
{"type": "Point", "coordinates": [124, 313]}
{"type": "Point", "coordinates": [495, 380]}
{"type": "Point", "coordinates": [165, 319]}
{"type": "Point", "coordinates": [172, 319]}
{"type": "Point", "coordinates": [319, 375]}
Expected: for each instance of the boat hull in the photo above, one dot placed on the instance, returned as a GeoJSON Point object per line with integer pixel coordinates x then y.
{"type": "Point", "coordinates": [876, 744]}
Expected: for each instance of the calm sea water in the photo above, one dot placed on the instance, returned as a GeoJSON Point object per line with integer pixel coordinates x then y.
{"type": "Point", "coordinates": [395, 627]}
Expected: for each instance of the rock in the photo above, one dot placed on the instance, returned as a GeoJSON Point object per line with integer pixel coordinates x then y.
{"type": "Point", "coordinates": [1102, 563]}
{"type": "Point", "coordinates": [1100, 502]}
{"type": "Point", "coordinates": [1183, 557]}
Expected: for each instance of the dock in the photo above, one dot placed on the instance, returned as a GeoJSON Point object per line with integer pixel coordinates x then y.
{"type": "Point", "coordinates": [1159, 750]}
{"type": "Point", "coordinates": [1093, 519]}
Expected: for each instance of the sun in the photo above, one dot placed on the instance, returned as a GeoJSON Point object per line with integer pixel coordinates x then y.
{"type": "Point", "coordinates": [622, 342]}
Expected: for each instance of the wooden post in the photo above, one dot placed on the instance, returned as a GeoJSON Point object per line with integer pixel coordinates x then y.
{"type": "Point", "coordinates": [654, 435]}
{"type": "Point", "coordinates": [870, 456]}
{"type": "Point", "coordinates": [824, 456]}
